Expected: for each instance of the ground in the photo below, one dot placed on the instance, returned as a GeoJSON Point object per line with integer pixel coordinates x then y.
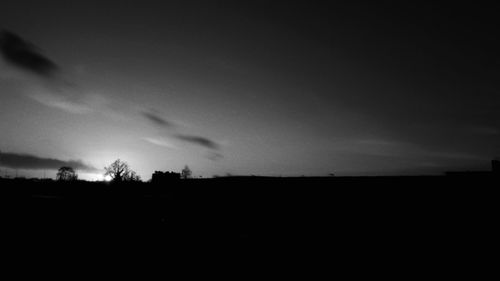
{"type": "Point", "coordinates": [441, 218]}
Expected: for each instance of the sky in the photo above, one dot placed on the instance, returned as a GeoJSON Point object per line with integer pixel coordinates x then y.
{"type": "Point", "coordinates": [272, 88]}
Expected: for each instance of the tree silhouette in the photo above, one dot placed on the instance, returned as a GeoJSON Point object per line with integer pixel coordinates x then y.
{"type": "Point", "coordinates": [133, 176]}
{"type": "Point", "coordinates": [186, 173]}
{"type": "Point", "coordinates": [119, 171]}
{"type": "Point", "coordinates": [66, 174]}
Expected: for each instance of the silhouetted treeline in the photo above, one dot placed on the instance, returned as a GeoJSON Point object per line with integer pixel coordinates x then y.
{"type": "Point", "coordinates": [171, 183]}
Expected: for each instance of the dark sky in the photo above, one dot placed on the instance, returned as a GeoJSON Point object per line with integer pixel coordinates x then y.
{"type": "Point", "coordinates": [251, 87]}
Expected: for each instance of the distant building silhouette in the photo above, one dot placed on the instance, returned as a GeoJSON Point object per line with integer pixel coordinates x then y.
{"type": "Point", "coordinates": [165, 177]}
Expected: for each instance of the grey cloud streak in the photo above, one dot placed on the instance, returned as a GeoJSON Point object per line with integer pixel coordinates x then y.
{"type": "Point", "coordinates": [202, 141]}
{"type": "Point", "coordinates": [56, 91]}
{"type": "Point", "coordinates": [32, 162]}
{"type": "Point", "coordinates": [25, 55]}
{"type": "Point", "coordinates": [157, 120]}
{"type": "Point", "coordinates": [193, 139]}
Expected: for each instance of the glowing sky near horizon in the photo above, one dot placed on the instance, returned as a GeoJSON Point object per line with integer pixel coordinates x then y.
{"type": "Point", "coordinates": [257, 87]}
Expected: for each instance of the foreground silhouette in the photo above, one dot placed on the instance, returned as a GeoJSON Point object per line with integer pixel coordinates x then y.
{"type": "Point", "coordinates": [408, 219]}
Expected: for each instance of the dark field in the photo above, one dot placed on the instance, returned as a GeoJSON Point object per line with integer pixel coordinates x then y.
{"type": "Point", "coordinates": [438, 217]}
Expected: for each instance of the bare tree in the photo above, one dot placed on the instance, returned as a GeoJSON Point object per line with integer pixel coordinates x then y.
{"type": "Point", "coordinates": [132, 176]}
{"type": "Point", "coordinates": [66, 174]}
{"type": "Point", "coordinates": [186, 173]}
{"type": "Point", "coordinates": [119, 171]}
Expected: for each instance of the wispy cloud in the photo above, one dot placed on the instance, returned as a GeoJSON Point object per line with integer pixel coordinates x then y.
{"type": "Point", "coordinates": [60, 102]}
{"type": "Point", "coordinates": [202, 141]}
{"type": "Point", "coordinates": [32, 162]}
{"type": "Point", "coordinates": [160, 142]}
{"type": "Point", "coordinates": [157, 120]}
{"type": "Point", "coordinates": [57, 91]}
{"type": "Point", "coordinates": [25, 55]}
{"type": "Point", "coordinates": [153, 118]}
{"type": "Point", "coordinates": [214, 156]}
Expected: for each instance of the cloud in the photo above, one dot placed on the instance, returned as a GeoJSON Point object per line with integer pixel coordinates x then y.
{"type": "Point", "coordinates": [193, 139]}
{"type": "Point", "coordinates": [198, 141]}
{"type": "Point", "coordinates": [155, 119]}
{"type": "Point", "coordinates": [32, 162]}
{"type": "Point", "coordinates": [160, 142]}
{"type": "Point", "coordinates": [58, 92]}
{"type": "Point", "coordinates": [60, 102]}
{"type": "Point", "coordinates": [214, 156]}
{"type": "Point", "coordinates": [25, 55]}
